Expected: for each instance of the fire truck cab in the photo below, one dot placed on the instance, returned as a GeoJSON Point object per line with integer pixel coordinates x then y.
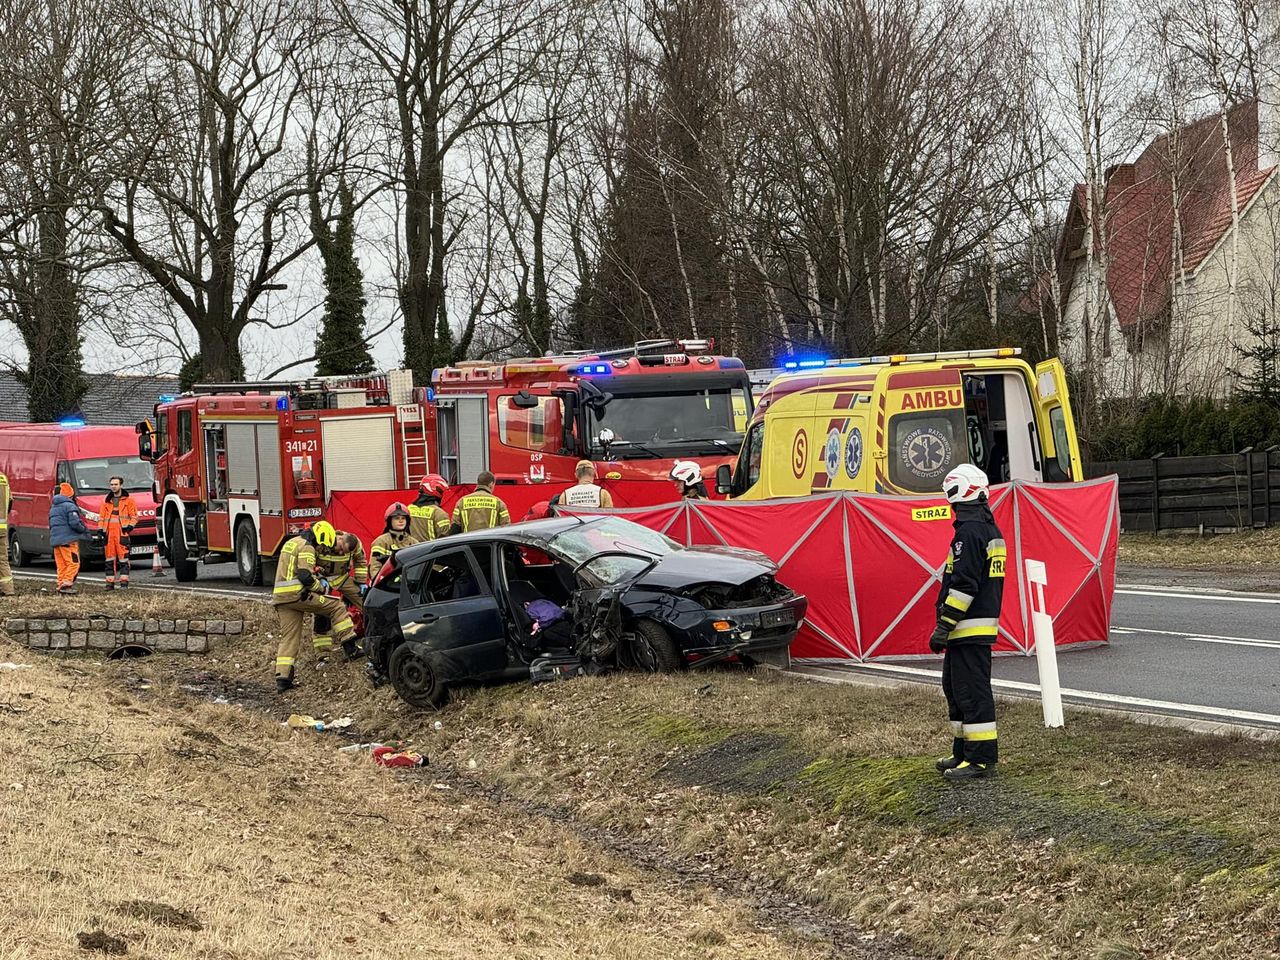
{"type": "Point", "coordinates": [241, 467]}
{"type": "Point", "coordinates": [898, 424]}
{"type": "Point", "coordinates": [633, 411]}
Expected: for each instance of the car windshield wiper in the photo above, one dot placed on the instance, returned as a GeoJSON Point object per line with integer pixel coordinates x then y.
{"type": "Point", "coordinates": [723, 444]}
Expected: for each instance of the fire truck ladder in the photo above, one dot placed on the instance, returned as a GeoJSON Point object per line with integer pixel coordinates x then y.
{"type": "Point", "coordinates": [413, 443]}
{"type": "Point", "coordinates": [646, 347]}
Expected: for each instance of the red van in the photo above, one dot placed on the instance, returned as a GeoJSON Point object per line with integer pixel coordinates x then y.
{"type": "Point", "coordinates": [36, 457]}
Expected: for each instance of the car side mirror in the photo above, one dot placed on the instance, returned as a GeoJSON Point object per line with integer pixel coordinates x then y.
{"type": "Point", "coordinates": [145, 445]}
{"type": "Point", "coordinates": [724, 479]}
{"type": "Point", "coordinates": [524, 400]}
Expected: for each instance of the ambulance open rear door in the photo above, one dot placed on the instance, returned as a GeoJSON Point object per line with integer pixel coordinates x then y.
{"type": "Point", "coordinates": [1061, 447]}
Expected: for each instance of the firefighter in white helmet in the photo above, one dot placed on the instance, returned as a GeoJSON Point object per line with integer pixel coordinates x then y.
{"type": "Point", "coordinates": [968, 610]}
{"type": "Point", "coordinates": [687, 477]}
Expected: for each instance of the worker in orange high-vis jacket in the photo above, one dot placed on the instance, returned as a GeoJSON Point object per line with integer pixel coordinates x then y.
{"type": "Point", "coordinates": [118, 517]}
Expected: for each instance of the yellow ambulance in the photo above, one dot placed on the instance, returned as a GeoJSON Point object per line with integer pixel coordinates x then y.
{"type": "Point", "coordinates": [897, 424]}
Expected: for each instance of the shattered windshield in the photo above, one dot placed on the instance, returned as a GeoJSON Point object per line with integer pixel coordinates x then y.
{"type": "Point", "coordinates": [611, 534]}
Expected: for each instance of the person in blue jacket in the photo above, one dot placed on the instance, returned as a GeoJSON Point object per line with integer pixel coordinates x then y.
{"type": "Point", "coordinates": [66, 530]}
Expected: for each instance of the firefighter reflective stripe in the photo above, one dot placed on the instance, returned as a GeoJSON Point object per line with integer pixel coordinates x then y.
{"type": "Point", "coordinates": [428, 522]}
{"type": "Point", "coordinates": [295, 556]}
{"type": "Point", "coordinates": [996, 556]}
{"type": "Point", "coordinates": [285, 661]}
{"type": "Point", "coordinates": [480, 511]}
{"type": "Point", "coordinates": [322, 642]}
{"type": "Point", "coordinates": [975, 627]}
{"type": "Point", "coordinates": [980, 731]}
{"type": "Point", "coordinates": [957, 728]}
{"type": "Point", "coordinates": [959, 599]}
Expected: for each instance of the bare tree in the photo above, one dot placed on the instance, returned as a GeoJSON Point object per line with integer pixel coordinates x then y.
{"type": "Point", "coordinates": [58, 60]}
{"type": "Point", "coordinates": [212, 205]}
{"type": "Point", "coordinates": [445, 68]}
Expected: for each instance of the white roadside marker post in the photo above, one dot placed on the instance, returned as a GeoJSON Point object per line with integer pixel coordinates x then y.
{"type": "Point", "coordinates": [1046, 652]}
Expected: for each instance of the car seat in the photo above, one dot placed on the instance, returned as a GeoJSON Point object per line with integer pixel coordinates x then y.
{"type": "Point", "coordinates": [522, 592]}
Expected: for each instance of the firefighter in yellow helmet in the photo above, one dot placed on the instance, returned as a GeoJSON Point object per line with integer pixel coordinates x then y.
{"type": "Point", "coordinates": [480, 510]}
{"type": "Point", "coordinates": [427, 519]}
{"type": "Point", "coordinates": [6, 574]}
{"type": "Point", "coordinates": [299, 590]}
{"type": "Point", "coordinates": [347, 571]}
{"type": "Point", "coordinates": [395, 535]}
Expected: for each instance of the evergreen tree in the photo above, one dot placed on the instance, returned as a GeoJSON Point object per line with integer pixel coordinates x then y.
{"type": "Point", "coordinates": [341, 347]}
{"type": "Point", "coordinates": [1260, 376]}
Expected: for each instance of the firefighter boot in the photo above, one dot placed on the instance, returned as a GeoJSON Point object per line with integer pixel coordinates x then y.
{"type": "Point", "coordinates": [948, 763]}
{"type": "Point", "coordinates": [970, 771]}
{"type": "Point", "coordinates": [286, 683]}
{"type": "Point", "coordinates": [352, 650]}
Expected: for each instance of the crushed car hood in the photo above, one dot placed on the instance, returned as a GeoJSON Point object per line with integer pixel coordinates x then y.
{"type": "Point", "coordinates": [728, 565]}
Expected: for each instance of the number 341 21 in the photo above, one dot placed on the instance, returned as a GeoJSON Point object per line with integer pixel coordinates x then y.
{"type": "Point", "coordinates": [300, 446]}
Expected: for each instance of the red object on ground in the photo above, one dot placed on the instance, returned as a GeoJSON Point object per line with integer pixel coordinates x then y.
{"type": "Point", "coordinates": [869, 567]}
{"type": "Point", "coordinates": [390, 757]}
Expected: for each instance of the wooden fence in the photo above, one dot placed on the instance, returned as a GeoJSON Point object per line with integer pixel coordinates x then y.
{"type": "Point", "coordinates": [1231, 491]}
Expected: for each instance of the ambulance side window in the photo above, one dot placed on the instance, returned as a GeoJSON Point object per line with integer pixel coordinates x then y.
{"type": "Point", "coordinates": [923, 447]}
{"type": "Point", "coordinates": [748, 474]}
{"type": "Point", "coordinates": [184, 432]}
{"type": "Point", "coordinates": [1061, 470]}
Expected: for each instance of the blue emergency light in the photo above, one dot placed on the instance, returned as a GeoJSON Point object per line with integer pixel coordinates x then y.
{"type": "Point", "coordinates": [588, 369]}
{"type": "Point", "coordinates": [431, 394]}
{"type": "Point", "coordinates": [71, 422]}
{"type": "Point", "coordinates": [282, 403]}
{"type": "Point", "coordinates": [168, 397]}
{"type": "Point", "coordinates": [804, 364]}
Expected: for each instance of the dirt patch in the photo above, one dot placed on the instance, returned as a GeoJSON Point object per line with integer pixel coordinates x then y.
{"type": "Point", "coordinates": [741, 763]}
{"type": "Point", "coordinates": [103, 942]}
{"type": "Point", "coordinates": [160, 914]}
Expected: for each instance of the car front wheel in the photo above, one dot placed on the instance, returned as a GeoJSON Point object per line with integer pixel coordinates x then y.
{"type": "Point", "coordinates": [414, 679]}
{"type": "Point", "coordinates": [653, 650]}
{"type": "Point", "coordinates": [17, 556]}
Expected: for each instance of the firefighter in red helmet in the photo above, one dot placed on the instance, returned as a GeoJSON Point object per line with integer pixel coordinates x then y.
{"type": "Point", "coordinates": [427, 520]}
{"type": "Point", "coordinates": [395, 534]}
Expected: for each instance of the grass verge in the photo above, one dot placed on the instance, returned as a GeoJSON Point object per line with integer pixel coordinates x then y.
{"type": "Point", "coordinates": [1248, 550]}
{"type": "Point", "coordinates": [146, 823]}
{"type": "Point", "coordinates": [1109, 839]}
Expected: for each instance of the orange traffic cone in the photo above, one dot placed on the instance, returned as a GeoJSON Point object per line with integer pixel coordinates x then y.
{"type": "Point", "coordinates": [156, 569]}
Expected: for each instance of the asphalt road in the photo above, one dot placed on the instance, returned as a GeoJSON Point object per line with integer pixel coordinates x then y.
{"type": "Point", "coordinates": [1196, 650]}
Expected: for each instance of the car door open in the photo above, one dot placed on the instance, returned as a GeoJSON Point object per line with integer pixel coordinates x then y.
{"type": "Point", "coordinates": [448, 606]}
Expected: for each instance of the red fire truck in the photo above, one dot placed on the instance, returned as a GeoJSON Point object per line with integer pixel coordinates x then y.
{"type": "Point", "coordinates": [240, 467]}
{"type": "Point", "coordinates": [634, 411]}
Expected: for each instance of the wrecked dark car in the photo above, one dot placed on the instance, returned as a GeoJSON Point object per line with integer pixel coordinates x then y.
{"type": "Point", "coordinates": [470, 608]}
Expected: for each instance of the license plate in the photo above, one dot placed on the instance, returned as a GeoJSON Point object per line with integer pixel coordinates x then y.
{"type": "Point", "coordinates": [140, 551]}
{"type": "Point", "coordinates": [777, 618]}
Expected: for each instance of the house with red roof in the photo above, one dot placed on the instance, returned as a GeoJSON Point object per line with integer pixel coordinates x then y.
{"type": "Point", "coordinates": [1171, 287]}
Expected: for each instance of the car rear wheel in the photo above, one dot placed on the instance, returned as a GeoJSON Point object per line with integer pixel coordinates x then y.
{"type": "Point", "coordinates": [17, 556]}
{"type": "Point", "coordinates": [653, 650]}
{"type": "Point", "coordinates": [184, 568]}
{"type": "Point", "coordinates": [248, 561]}
{"type": "Point", "coordinates": [414, 679]}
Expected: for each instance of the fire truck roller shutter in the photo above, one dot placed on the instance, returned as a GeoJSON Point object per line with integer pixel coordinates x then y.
{"type": "Point", "coordinates": [358, 454]}
{"type": "Point", "coordinates": [271, 499]}
{"type": "Point", "coordinates": [242, 459]}
{"type": "Point", "coordinates": [472, 435]}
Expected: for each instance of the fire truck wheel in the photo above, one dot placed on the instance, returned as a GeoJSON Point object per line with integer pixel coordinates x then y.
{"type": "Point", "coordinates": [184, 568]}
{"type": "Point", "coordinates": [248, 562]}
{"type": "Point", "coordinates": [414, 680]}
{"type": "Point", "coordinates": [17, 556]}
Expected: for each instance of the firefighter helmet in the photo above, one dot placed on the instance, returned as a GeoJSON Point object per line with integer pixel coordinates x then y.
{"type": "Point", "coordinates": [964, 484]}
{"type": "Point", "coordinates": [396, 509]}
{"type": "Point", "coordinates": [686, 472]}
{"type": "Point", "coordinates": [324, 533]}
{"type": "Point", "coordinates": [433, 485]}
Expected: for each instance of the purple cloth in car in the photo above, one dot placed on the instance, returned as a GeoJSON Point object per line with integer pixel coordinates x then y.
{"type": "Point", "coordinates": [545, 612]}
